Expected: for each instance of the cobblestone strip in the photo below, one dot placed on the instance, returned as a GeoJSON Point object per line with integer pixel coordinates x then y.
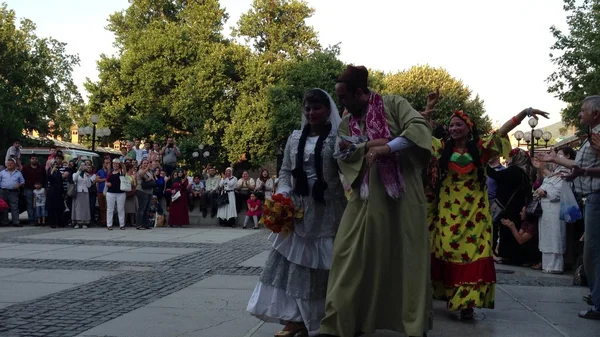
{"type": "Point", "coordinates": [28, 231]}
{"type": "Point", "coordinates": [73, 311]}
{"type": "Point", "coordinates": [17, 237]}
{"type": "Point", "coordinates": [71, 264]}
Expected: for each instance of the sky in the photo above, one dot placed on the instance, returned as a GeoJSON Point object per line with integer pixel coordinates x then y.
{"type": "Point", "coordinates": [499, 49]}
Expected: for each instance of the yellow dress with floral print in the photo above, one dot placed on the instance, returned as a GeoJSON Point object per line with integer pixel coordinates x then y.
{"type": "Point", "coordinates": [462, 265]}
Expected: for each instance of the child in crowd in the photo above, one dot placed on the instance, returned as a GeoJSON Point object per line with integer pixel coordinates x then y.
{"type": "Point", "coordinates": [196, 189]}
{"type": "Point", "coordinates": [39, 203]}
{"type": "Point", "coordinates": [155, 214]}
{"type": "Point", "coordinates": [253, 211]}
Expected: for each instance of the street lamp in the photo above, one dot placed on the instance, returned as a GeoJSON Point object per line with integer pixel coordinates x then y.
{"type": "Point", "coordinates": [95, 119]}
{"type": "Point", "coordinates": [533, 137]}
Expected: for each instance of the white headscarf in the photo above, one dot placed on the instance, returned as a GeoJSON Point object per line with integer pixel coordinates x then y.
{"type": "Point", "coordinates": [334, 115]}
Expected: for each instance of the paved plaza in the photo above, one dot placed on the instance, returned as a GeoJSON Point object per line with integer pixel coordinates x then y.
{"type": "Point", "coordinates": [195, 282]}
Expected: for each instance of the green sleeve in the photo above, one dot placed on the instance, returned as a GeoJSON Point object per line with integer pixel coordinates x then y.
{"type": "Point", "coordinates": [351, 166]}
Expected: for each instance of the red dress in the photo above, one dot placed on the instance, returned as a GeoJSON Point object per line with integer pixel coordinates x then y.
{"type": "Point", "coordinates": [178, 212]}
{"type": "Point", "coordinates": [252, 204]}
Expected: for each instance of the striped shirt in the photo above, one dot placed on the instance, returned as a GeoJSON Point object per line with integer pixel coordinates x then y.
{"type": "Point", "coordinates": [587, 157]}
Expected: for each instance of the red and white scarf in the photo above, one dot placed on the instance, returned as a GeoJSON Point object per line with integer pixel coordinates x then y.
{"type": "Point", "coordinates": [377, 127]}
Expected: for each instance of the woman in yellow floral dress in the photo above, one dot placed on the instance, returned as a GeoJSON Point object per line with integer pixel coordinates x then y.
{"type": "Point", "coordinates": [462, 265]}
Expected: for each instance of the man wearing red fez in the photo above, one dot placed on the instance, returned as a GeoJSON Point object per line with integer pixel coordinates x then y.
{"type": "Point", "coordinates": [379, 278]}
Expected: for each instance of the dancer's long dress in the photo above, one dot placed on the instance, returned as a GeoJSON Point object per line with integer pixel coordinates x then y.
{"type": "Point", "coordinates": [293, 284]}
{"type": "Point", "coordinates": [462, 265]}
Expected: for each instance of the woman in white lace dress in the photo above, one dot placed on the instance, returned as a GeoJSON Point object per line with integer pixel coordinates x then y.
{"type": "Point", "coordinates": [227, 212]}
{"type": "Point", "coordinates": [292, 287]}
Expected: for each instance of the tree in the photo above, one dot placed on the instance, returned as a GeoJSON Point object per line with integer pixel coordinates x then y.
{"type": "Point", "coordinates": [36, 86]}
{"type": "Point", "coordinates": [278, 29]}
{"type": "Point", "coordinates": [174, 74]}
{"type": "Point", "coordinates": [280, 36]}
{"type": "Point", "coordinates": [415, 83]}
{"type": "Point", "coordinates": [577, 57]}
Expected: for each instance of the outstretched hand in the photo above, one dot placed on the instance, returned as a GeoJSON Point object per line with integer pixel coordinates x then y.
{"type": "Point", "coordinates": [535, 113]}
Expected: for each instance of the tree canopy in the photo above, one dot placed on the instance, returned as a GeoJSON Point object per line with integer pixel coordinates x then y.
{"type": "Point", "coordinates": [577, 55]}
{"type": "Point", "coordinates": [176, 73]}
{"type": "Point", "coordinates": [36, 87]}
{"type": "Point", "coordinates": [415, 83]}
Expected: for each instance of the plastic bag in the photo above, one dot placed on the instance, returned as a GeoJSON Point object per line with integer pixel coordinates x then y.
{"type": "Point", "coordinates": [569, 209]}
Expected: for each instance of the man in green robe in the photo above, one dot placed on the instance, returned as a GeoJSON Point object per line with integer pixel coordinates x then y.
{"type": "Point", "coordinates": [380, 279]}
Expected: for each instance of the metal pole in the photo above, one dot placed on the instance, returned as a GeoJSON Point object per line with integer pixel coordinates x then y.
{"type": "Point", "coordinates": [532, 143]}
{"type": "Point", "coordinates": [94, 138]}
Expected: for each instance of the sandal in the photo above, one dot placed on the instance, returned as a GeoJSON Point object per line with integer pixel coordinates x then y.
{"type": "Point", "coordinates": [293, 329]}
{"type": "Point", "coordinates": [537, 266]}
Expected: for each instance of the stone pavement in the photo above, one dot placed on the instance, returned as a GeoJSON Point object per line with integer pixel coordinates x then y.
{"type": "Point", "coordinates": [195, 282]}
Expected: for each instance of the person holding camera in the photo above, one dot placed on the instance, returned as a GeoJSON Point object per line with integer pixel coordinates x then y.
{"type": "Point", "coordinates": [169, 155]}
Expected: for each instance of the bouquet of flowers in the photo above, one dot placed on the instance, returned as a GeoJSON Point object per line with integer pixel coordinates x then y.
{"type": "Point", "coordinates": [278, 214]}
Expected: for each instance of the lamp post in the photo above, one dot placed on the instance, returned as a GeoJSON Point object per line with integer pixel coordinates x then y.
{"type": "Point", "coordinates": [102, 133]}
{"type": "Point", "coordinates": [196, 154]}
{"type": "Point", "coordinates": [533, 137]}
{"type": "Point", "coordinates": [94, 119]}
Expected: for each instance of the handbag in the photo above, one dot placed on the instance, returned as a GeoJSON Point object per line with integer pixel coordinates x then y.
{"type": "Point", "coordinates": [159, 221]}
{"type": "Point", "coordinates": [71, 187]}
{"type": "Point", "coordinates": [534, 208]}
{"type": "Point", "coordinates": [148, 185]}
{"type": "Point", "coordinates": [3, 205]}
{"type": "Point", "coordinates": [125, 184]}
{"type": "Point", "coordinates": [223, 199]}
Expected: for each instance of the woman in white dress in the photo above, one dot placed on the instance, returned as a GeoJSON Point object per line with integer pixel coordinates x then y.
{"type": "Point", "coordinates": [553, 231]}
{"type": "Point", "coordinates": [227, 212]}
{"type": "Point", "coordinates": [80, 210]}
{"type": "Point", "coordinates": [292, 287]}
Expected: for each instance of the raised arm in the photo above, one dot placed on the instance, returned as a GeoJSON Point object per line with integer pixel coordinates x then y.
{"type": "Point", "coordinates": [518, 118]}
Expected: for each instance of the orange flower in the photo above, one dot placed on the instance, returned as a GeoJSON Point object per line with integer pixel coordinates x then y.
{"type": "Point", "coordinates": [279, 214]}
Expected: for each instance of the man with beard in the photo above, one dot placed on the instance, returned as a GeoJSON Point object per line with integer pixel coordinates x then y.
{"type": "Point", "coordinates": [379, 278]}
